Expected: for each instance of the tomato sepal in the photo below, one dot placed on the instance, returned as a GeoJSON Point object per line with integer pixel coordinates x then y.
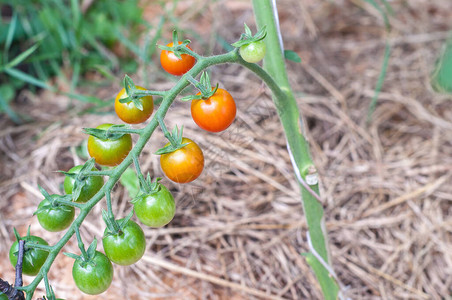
{"type": "Point", "coordinates": [248, 37]}
{"type": "Point", "coordinates": [107, 134]}
{"type": "Point", "coordinates": [175, 141]}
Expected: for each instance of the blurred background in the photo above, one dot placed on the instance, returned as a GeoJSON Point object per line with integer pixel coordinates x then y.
{"type": "Point", "coordinates": [373, 90]}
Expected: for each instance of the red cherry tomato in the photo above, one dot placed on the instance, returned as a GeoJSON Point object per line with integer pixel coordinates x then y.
{"type": "Point", "coordinates": [174, 65]}
{"type": "Point", "coordinates": [216, 113]}
{"type": "Point", "coordinates": [129, 113]}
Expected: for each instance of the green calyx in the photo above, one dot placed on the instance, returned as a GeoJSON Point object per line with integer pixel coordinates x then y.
{"type": "Point", "coordinates": [110, 133]}
{"type": "Point", "coordinates": [248, 37]}
{"type": "Point", "coordinates": [148, 187]}
{"type": "Point", "coordinates": [115, 227]}
{"type": "Point", "coordinates": [175, 139]}
{"type": "Point", "coordinates": [87, 256]}
{"type": "Point", "coordinates": [177, 49]}
{"type": "Point", "coordinates": [203, 85]}
{"type": "Point", "coordinates": [80, 177]}
{"type": "Point", "coordinates": [133, 94]}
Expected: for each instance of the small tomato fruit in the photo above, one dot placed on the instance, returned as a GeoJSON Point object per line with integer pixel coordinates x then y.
{"type": "Point", "coordinates": [253, 52]}
{"type": "Point", "coordinates": [33, 258]}
{"type": "Point", "coordinates": [155, 209]}
{"type": "Point", "coordinates": [176, 66]}
{"type": "Point", "coordinates": [92, 184]}
{"type": "Point", "coordinates": [185, 164]}
{"type": "Point", "coordinates": [95, 276]}
{"type": "Point", "coordinates": [125, 247]}
{"type": "Point", "coordinates": [55, 217]}
{"type": "Point", "coordinates": [216, 113]}
{"type": "Point", "coordinates": [129, 113]}
{"type": "Point", "coordinates": [109, 152]}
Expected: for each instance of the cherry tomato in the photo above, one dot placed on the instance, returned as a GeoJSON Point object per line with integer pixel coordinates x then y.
{"type": "Point", "coordinates": [108, 152]}
{"type": "Point", "coordinates": [185, 164]}
{"type": "Point", "coordinates": [55, 217]}
{"type": "Point", "coordinates": [253, 52]}
{"type": "Point", "coordinates": [92, 184]}
{"type": "Point", "coordinates": [93, 277]}
{"type": "Point", "coordinates": [155, 209]}
{"type": "Point", "coordinates": [174, 65]}
{"type": "Point", "coordinates": [33, 258]}
{"type": "Point", "coordinates": [216, 113]}
{"type": "Point", "coordinates": [126, 247]}
{"type": "Point", "coordinates": [129, 113]}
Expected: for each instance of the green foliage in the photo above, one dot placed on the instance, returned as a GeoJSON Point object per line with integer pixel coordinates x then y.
{"type": "Point", "coordinates": [38, 37]}
{"type": "Point", "coordinates": [442, 76]}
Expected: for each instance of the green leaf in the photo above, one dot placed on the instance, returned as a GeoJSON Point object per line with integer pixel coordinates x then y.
{"type": "Point", "coordinates": [292, 56]}
{"type": "Point", "coordinates": [129, 180]}
{"type": "Point", "coordinates": [442, 76]}
{"type": "Point", "coordinates": [27, 78]}
{"type": "Point", "coordinates": [21, 57]}
{"type": "Point", "coordinates": [11, 31]}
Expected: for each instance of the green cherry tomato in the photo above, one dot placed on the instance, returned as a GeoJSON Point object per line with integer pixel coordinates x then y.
{"type": "Point", "coordinates": [55, 217]}
{"type": "Point", "coordinates": [127, 246]}
{"type": "Point", "coordinates": [108, 152]}
{"type": "Point", "coordinates": [92, 184]}
{"type": "Point", "coordinates": [95, 276]}
{"type": "Point", "coordinates": [33, 258]}
{"type": "Point", "coordinates": [155, 209]}
{"type": "Point", "coordinates": [253, 52]}
{"type": "Point", "coordinates": [129, 113]}
{"type": "Point", "coordinates": [185, 164]}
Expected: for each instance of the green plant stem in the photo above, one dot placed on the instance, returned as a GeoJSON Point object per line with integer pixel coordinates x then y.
{"type": "Point", "coordinates": [140, 174]}
{"type": "Point", "coordinates": [81, 246]}
{"type": "Point", "coordinates": [298, 147]}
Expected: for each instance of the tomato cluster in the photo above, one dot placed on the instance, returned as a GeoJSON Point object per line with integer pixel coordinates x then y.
{"type": "Point", "coordinates": [181, 160]}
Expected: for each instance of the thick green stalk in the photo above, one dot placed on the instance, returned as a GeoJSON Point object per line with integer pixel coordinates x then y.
{"type": "Point", "coordinates": [289, 115]}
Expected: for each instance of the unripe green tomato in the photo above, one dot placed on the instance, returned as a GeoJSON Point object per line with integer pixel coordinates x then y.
{"type": "Point", "coordinates": [155, 209]}
{"type": "Point", "coordinates": [55, 218]}
{"type": "Point", "coordinates": [127, 247]}
{"type": "Point", "coordinates": [253, 52]}
{"type": "Point", "coordinates": [92, 184]}
{"type": "Point", "coordinates": [33, 258]}
{"type": "Point", "coordinates": [93, 277]}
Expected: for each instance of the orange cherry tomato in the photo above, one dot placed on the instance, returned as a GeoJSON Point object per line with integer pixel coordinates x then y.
{"type": "Point", "coordinates": [216, 113]}
{"type": "Point", "coordinates": [174, 65]}
{"type": "Point", "coordinates": [185, 164]}
{"type": "Point", "coordinates": [129, 113]}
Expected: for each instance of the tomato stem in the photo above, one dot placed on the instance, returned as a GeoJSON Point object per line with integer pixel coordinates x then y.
{"type": "Point", "coordinates": [141, 178]}
{"type": "Point", "coordinates": [81, 246]}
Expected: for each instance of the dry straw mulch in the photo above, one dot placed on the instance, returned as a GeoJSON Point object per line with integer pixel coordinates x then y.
{"type": "Point", "coordinates": [239, 229]}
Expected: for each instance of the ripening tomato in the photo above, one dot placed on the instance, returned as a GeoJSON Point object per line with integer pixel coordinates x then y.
{"type": "Point", "coordinates": [109, 152]}
{"type": "Point", "coordinates": [129, 113]}
{"type": "Point", "coordinates": [185, 164]}
{"type": "Point", "coordinates": [155, 209]}
{"type": "Point", "coordinates": [125, 247]}
{"type": "Point", "coordinates": [253, 52]}
{"type": "Point", "coordinates": [216, 113]}
{"type": "Point", "coordinates": [174, 65]}
{"type": "Point", "coordinates": [55, 217]}
{"type": "Point", "coordinates": [33, 258]}
{"type": "Point", "coordinates": [95, 276]}
{"type": "Point", "coordinates": [92, 184]}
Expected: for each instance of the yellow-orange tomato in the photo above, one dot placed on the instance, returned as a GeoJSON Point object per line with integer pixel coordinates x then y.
{"type": "Point", "coordinates": [129, 113]}
{"type": "Point", "coordinates": [216, 113]}
{"type": "Point", "coordinates": [185, 164]}
{"type": "Point", "coordinates": [176, 66]}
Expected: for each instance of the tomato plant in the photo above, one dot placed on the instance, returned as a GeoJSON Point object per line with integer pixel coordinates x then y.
{"type": "Point", "coordinates": [253, 52]}
{"type": "Point", "coordinates": [185, 164]}
{"type": "Point", "coordinates": [216, 113]}
{"type": "Point", "coordinates": [109, 151]}
{"type": "Point", "coordinates": [54, 217]}
{"type": "Point", "coordinates": [129, 113]}
{"type": "Point", "coordinates": [3, 296]}
{"type": "Point", "coordinates": [174, 65]}
{"type": "Point", "coordinates": [93, 276]}
{"type": "Point", "coordinates": [91, 184]}
{"type": "Point", "coordinates": [33, 258]}
{"type": "Point", "coordinates": [155, 209]}
{"type": "Point", "coordinates": [125, 247]}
